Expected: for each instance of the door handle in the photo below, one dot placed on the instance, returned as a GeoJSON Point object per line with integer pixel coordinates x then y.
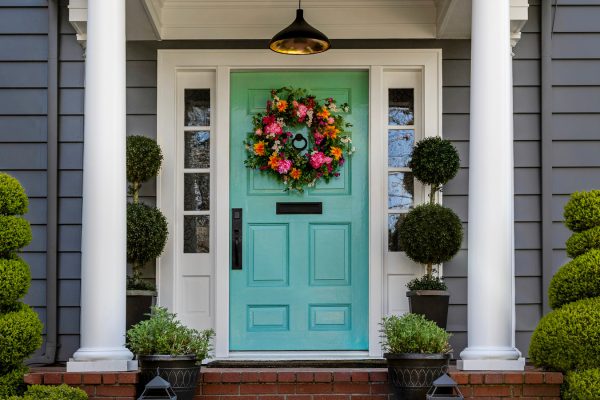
{"type": "Point", "coordinates": [236, 238]}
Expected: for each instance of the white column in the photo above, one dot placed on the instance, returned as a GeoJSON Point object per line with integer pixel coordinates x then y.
{"type": "Point", "coordinates": [103, 238]}
{"type": "Point", "coordinates": [491, 310]}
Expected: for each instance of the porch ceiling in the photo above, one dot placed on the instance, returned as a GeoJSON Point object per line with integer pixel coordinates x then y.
{"type": "Point", "coordinates": [261, 19]}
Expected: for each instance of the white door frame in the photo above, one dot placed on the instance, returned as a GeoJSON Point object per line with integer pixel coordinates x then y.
{"type": "Point", "coordinates": [377, 62]}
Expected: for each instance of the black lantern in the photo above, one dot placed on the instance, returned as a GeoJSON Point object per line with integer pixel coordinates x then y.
{"type": "Point", "coordinates": [299, 38]}
{"type": "Point", "coordinates": [158, 389]}
{"type": "Point", "coordinates": [444, 388]}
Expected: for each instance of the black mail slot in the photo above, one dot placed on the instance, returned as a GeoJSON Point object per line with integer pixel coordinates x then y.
{"type": "Point", "coordinates": [299, 208]}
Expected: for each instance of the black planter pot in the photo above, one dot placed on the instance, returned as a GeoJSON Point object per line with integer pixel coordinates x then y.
{"type": "Point", "coordinates": [138, 305]}
{"type": "Point", "coordinates": [433, 304]}
{"type": "Point", "coordinates": [411, 375]}
{"type": "Point", "coordinates": [180, 371]}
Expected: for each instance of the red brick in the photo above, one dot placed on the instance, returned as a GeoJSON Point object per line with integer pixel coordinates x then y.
{"type": "Point", "coordinates": [323, 376]}
{"type": "Point", "coordinates": [211, 377]}
{"type": "Point", "coordinates": [378, 376]}
{"type": "Point", "coordinates": [258, 388]}
{"type": "Point", "coordinates": [495, 378]}
{"type": "Point", "coordinates": [476, 379]}
{"type": "Point", "coordinates": [461, 378]}
{"type": "Point", "coordinates": [231, 377]}
{"type": "Point", "coordinates": [220, 389]}
{"type": "Point", "coordinates": [360, 376]}
{"type": "Point", "coordinates": [534, 378]}
{"type": "Point", "coordinates": [553, 377]}
{"type": "Point", "coordinates": [286, 376]}
{"type": "Point", "coordinates": [109, 379]}
{"type": "Point", "coordinates": [489, 390]}
{"type": "Point", "coordinates": [233, 398]}
{"type": "Point", "coordinates": [52, 378]}
{"type": "Point", "coordinates": [72, 378]}
{"type": "Point", "coordinates": [128, 377]}
{"type": "Point", "coordinates": [33, 379]}
{"type": "Point", "coordinates": [90, 390]}
{"type": "Point", "coordinates": [541, 390]}
{"type": "Point", "coordinates": [515, 378]}
{"type": "Point", "coordinates": [251, 377]}
{"type": "Point", "coordinates": [351, 388]}
{"type": "Point", "coordinates": [313, 388]}
{"type": "Point", "coordinates": [304, 377]}
{"type": "Point", "coordinates": [269, 376]}
{"type": "Point", "coordinates": [467, 391]}
{"type": "Point", "coordinates": [331, 397]}
{"type": "Point", "coordinates": [92, 379]}
{"type": "Point", "coordinates": [299, 397]}
{"type": "Point", "coordinates": [286, 388]}
{"type": "Point", "coordinates": [115, 391]}
{"type": "Point", "coordinates": [369, 397]}
{"type": "Point", "coordinates": [517, 390]}
{"type": "Point", "coordinates": [381, 388]}
{"type": "Point", "coordinates": [342, 376]}
{"type": "Point", "coordinates": [271, 397]}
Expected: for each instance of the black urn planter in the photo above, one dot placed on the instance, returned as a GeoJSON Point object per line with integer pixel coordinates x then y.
{"type": "Point", "coordinates": [138, 306]}
{"type": "Point", "coordinates": [433, 304]}
{"type": "Point", "coordinates": [180, 371]}
{"type": "Point", "coordinates": [412, 374]}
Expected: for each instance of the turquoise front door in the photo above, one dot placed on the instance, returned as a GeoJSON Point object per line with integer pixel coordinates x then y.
{"type": "Point", "coordinates": [304, 278]}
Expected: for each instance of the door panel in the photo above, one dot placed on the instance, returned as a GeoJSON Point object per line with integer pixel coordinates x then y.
{"type": "Point", "coordinates": [304, 278]}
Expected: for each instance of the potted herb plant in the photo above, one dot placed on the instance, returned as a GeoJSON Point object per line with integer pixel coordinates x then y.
{"type": "Point", "coordinates": [146, 226]}
{"type": "Point", "coordinates": [431, 234]}
{"type": "Point", "coordinates": [166, 347]}
{"type": "Point", "coordinates": [417, 353]}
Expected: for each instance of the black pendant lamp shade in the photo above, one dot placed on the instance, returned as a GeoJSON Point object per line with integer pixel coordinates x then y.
{"type": "Point", "coordinates": [299, 38]}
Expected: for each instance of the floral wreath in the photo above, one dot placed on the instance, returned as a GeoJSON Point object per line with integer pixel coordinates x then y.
{"type": "Point", "coordinates": [276, 151]}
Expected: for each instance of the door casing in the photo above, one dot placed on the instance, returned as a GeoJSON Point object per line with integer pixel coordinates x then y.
{"type": "Point", "coordinates": [222, 62]}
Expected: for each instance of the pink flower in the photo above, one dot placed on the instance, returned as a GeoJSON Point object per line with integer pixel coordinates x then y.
{"type": "Point", "coordinates": [302, 109]}
{"type": "Point", "coordinates": [273, 128]}
{"type": "Point", "coordinates": [284, 166]}
{"type": "Point", "coordinates": [268, 119]}
{"type": "Point", "coordinates": [318, 159]}
{"type": "Point", "coordinates": [258, 132]}
{"type": "Point", "coordinates": [330, 120]}
{"type": "Point", "coordinates": [318, 138]}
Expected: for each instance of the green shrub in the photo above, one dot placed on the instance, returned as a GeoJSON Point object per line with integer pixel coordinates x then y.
{"type": "Point", "coordinates": [576, 280]}
{"type": "Point", "coordinates": [427, 282]}
{"type": "Point", "coordinates": [163, 334]}
{"type": "Point", "coordinates": [412, 333]}
{"type": "Point", "coordinates": [581, 242]}
{"type": "Point", "coordinates": [431, 234]}
{"type": "Point", "coordinates": [144, 158]}
{"type": "Point", "coordinates": [582, 211]}
{"type": "Point", "coordinates": [61, 392]}
{"type": "Point", "coordinates": [20, 334]}
{"type": "Point", "coordinates": [13, 200]}
{"type": "Point", "coordinates": [582, 385]}
{"type": "Point", "coordinates": [15, 279]}
{"type": "Point", "coordinates": [434, 161]}
{"type": "Point", "coordinates": [568, 338]}
{"type": "Point", "coordinates": [15, 233]}
{"type": "Point", "coordinates": [11, 383]}
{"type": "Point", "coordinates": [146, 232]}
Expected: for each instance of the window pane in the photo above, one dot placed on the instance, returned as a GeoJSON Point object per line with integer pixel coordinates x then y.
{"type": "Point", "coordinates": [394, 221]}
{"type": "Point", "coordinates": [196, 192]}
{"type": "Point", "coordinates": [400, 145]}
{"type": "Point", "coordinates": [197, 107]}
{"type": "Point", "coordinates": [196, 233]}
{"type": "Point", "coordinates": [401, 107]}
{"type": "Point", "coordinates": [197, 149]}
{"type": "Point", "coordinates": [400, 191]}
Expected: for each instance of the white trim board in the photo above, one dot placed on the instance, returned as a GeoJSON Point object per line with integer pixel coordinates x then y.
{"type": "Point", "coordinates": [171, 63]}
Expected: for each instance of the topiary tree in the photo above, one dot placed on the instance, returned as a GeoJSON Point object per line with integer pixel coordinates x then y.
{"type": "Point", "coordinates": [576, 280]}
{"type": "Point", "coordinates": [146, 226]}
{"type": "Point", "coordinates": [582, 242]}
{"type": "Point", "coordinates": [431, 234]}
{"type": "Point", "coordinates": [582, 211]}
{"type": "Point", "coordinates": [20, 327]}
{"type": "Point", "coordinates": [582, 385]}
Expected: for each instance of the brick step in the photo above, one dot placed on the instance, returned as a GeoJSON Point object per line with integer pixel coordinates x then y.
{"type": "Point", "coordinates": [309, 384]}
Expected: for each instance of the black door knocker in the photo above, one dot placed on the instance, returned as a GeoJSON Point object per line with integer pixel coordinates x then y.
{"type": "Point", "coordinates": [299, 138]}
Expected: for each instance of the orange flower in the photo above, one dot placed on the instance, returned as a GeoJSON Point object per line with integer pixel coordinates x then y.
{"type": "Point", "coordinates": [259, 148]}
{"type": "Point", "coordinates": [331, 131]}
{"type": "Point", "coordinates": [324, 113]}
{"type": "Point", "coordinates": [282, 105]}
{"type": "Point", "coordinates": [295, 173]}
{"type": "Point", "coordinates": [274, 161]}
{"type": "Point", "coordinates": [336, 152]}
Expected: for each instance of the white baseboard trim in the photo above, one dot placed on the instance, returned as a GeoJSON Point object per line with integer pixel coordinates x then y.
{"type": "Point", "coordinates": [102, 366]}
{"type": "Point", "coordinates": [491, 365]}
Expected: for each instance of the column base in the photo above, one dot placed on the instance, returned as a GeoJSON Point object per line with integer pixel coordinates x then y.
{"type": "Point", "coordinates": [102, 366]}
{"type": "Point", "coordinates": [491, 365]}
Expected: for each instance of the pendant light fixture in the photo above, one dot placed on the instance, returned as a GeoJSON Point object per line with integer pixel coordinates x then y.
{"type": "Point", "coordinates": [299, 38]}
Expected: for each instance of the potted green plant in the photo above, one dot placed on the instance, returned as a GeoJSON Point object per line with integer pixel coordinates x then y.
{"type": "Point", "coordinates": [146, 226]}
{"type": "Point", "coordinates": [166, 347]}
{"type": "Point", "coordinates": [431, 234]}
{"type": "Point", "coordinates": [417, 353]}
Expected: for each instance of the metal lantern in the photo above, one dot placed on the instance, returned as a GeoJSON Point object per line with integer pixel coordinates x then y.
{"type": "Point", "coordinates": [158, 389]}
{"type": "Point", "coordinates": [444, 388]}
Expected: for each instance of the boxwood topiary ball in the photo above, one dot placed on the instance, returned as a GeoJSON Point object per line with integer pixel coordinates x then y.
{"type": "Point", "coordinates": [15, 280]}
{"type": "Point", "coordinates": [13, 200]}
{"type": "Point", "coordinates": [146, 232]}
{"type": "Point", "coordinates": [582, 385]}
{"type": "Point", "coordinates": [582, 211]}
{"type": "Point", "coordinates": [568, 338]}
{"type": "Point", "coordinates": [11, 382]}
{"type": "Point", "coordinates": [582, 242]}
{"type": "Point", "coordinates": [143, 158]}
{"type": "Point", "coordinates": [20, 334]}
{"type": "Point", "coordinates": [15, 233]}
{"type": "Point", "coordinates": [431, 233]}
{"type": "Point", "coordinates": [576, 280]}
{"type": "Point", "coordinates": [434, 161]}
